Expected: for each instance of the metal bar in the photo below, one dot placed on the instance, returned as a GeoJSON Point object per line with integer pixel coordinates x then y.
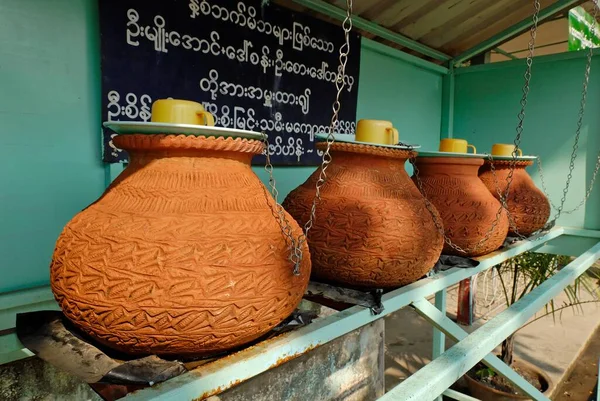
{"type": "Point", "coordinates": [439, 339]}
{"type": "Point", "coordinates": [431, 314]}
{"type": "Point", "coordinates": [581, 232]}
{"type": "Point", "coordinates": [222, 374]}
{"type": "Point", "coordinates": [539, 46]}
{"type": "Point", "coordinates": [505, 54]}
{"type": "Point", "coordinates": [371, 27]}
{"type": "Point", "coordinates": [398, 54]}
{"type": "Point", "coordinates": [550, 58]}
{"type": "Point", "coordinates": [433, 379]}
{"type": "Point", "coordinates": [15, 355]}
{"type": "Point", "coordinates": [598, 383]}
{"type": "Point", "coordinates": [15, 299]}
{"type": "Point", "coordinates": [455, 395]}
{"type": "Point", "coordinates": [514, 30]}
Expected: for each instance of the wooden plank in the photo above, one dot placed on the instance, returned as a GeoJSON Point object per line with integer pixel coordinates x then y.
{"type": "Point", "coordinates": [443, 33]}
{"type": "Point", "coordinates": [426, 8]}
{"type": "Point", "coordinates": [400, 10]}
{"type": "Point", "coordinates": [492, 15]}
{"type": "Point", "coordinates": [456, 10]}
{"type": "Point", "coordinates": [483, 32]}
{"type": "Point", "coordinates": [385, 12]}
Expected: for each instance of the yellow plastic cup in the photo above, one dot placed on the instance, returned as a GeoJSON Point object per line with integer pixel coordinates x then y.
{"type": "Point", "coordinates": [456, 145]}
{"type": "Point", "coordinates": [177, 111]}
{"type": "Point", "coordinates": [376, 131]}
{"type": "Point", "coordinates": [503, 149]}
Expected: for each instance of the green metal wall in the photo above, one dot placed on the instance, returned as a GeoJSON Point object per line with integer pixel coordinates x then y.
{"type": "Point", "coordinates": [50, 124]}
{"type": "Point", "coordinates": [485, 112]}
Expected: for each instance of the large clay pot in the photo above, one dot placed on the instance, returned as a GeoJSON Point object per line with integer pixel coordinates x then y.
{"type": "Point", "coordinates": [527, 205]}
{"type": "Point", "coordinates": [467, 208]}
{"type": "Point", "coordinates": [181, 255]}
{"type": "Point", "coordinates": [372, 228]}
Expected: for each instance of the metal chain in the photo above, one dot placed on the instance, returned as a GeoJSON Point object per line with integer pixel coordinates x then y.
{"type": "Point", "coordinates": [503, 200]}
{"type": "Point", "coordinates": [439, 226]}
{"type": "Point", "coordinates": [586, 79]}
{"type": "Point", "coordinates": [503, 196]}
{"type": "Point", "coordinates": [587, 194]}
{"type": "Point", "coordinates": [339, 84]}
{"type": "Point", "coordinates": [526, 88]}
{"type": "Point", "coordinates": [294, 246]}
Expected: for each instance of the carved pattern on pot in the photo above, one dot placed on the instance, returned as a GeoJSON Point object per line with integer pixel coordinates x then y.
{"type": "Point", "coordinates": [181, 255]}
{"type": "Point", "coordinates": [372, 228]}
{"type": "Point", "coordinates": [467, 208]}
{"type": "Point", "coordinates": [527, 204]}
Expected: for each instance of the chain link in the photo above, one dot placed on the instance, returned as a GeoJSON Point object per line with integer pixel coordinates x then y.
{"type": "Point", "coordinates": [295, 244]}
{"type": "Point", "coordinates": [294, 247]}
{"type": "Point", "coordinates": [503, 200]}
{"type": "Point", "coordinates": [339, 84]}
{"type": "Point", "coordinates": [436, 220]}
{"type": "Point", "coordinates": [586, 79]}
{"type": "Point", "coordinates": [587, 194]}
{"type": "Point", "coordinates": [503, 197]}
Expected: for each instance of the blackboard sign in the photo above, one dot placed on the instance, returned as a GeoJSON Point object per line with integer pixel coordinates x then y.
{"type": "Point", "coordinates": [257, 67]}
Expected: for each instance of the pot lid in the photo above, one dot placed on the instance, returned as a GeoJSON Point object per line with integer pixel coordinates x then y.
{"type": "Point", "coordinates": [518, 158]}
{"type": "Point", "coordinates": [350, 138]}
{"type": "Point", "coordinates": [453, 154]}
{"type": "Point", "coordinates": [155, 128]}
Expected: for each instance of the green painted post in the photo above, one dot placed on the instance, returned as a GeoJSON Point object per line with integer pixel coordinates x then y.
{"type": "Point", "coordinates": [439, 338]}
{"type": "Point", "coordinates": [111, 171]}
{"type": "Point", "coordinates": [439, 345]}
{"type": "Point", "coordinates": [447, 127]}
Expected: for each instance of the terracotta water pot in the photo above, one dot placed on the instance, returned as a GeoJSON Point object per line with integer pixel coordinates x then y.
{"type": "Point", "coordinates": [527, 204]}
{"type": "Point", "coordinates": [485, 393]}
{"type": "Point", "coordinates": [372, 228]}
{"type": "Point", "coordinates": [182, 255]}
{"type": "Point", "coordinates": [467, 208]}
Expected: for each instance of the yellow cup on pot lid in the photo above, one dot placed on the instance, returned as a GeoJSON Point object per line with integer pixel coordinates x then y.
{"type": "Point", "coordinates": [455, 145]}
{"type": "Point", "coordinates": [376, 131]}
{"type": "Point", "coordinates": [178, 111]}
{"type": "Point", "coordinates": [503, 149]}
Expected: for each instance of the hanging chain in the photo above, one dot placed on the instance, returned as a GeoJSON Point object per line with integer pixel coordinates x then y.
{"type": "Point", "coordinates": [339, 84]}
{"type": "Point", "coordinates": [503, 200]}
{"type": "Point", "coordinates": [438, 224]}
{"type": "Point", "coordinates": [586, 79]}
{"type": "Point", "coordinates": [521, 115]}
{"type": "Point", "coordinates": [587, 194]}
{"type": "Point", "coordinates": [503, 197]}
{"type": "Point", "coordinates": [295, 245]}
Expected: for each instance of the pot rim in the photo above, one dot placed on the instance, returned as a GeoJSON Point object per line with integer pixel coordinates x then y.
{"type": "Point", "coordinates": [523, 364]}
{"type": "Point", "coordinates": [160, 142]}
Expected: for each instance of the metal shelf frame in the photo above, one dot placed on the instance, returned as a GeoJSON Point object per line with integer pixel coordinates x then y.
{"type": "Point", "coordinates": [433, 380]}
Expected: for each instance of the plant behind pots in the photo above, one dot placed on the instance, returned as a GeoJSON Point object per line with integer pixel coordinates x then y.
{"type": "Point", "coordinates": [526, 272]}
